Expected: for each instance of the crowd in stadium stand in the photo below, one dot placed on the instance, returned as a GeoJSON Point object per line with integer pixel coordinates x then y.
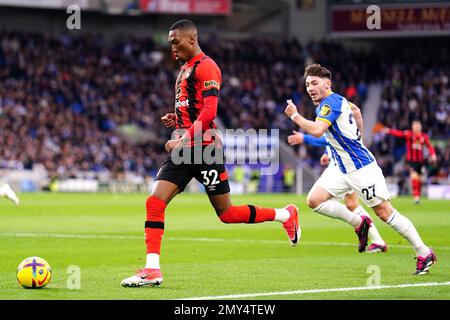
{"type": "Point", "coordinates": [63, 100]}
{"type": "Point", "coordinates": [66, 102]}
{"type": "Point", "coordinates": [417, 86]}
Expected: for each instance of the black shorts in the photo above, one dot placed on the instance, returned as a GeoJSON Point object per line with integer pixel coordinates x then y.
{"type": "Point", "coordinates": [213, 176]}
{"type": "Point", "coordinates": [416, 166]}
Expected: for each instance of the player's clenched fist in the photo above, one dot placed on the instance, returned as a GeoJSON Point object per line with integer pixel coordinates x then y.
{"type": "Point", "coordinates": [168, 120]}
{"type": "Point", "coordinates": [291, 109]}
{"type": "Point", "coordinates": [296, 138]}
{"type": "Point", "coordinates": [173, 144]}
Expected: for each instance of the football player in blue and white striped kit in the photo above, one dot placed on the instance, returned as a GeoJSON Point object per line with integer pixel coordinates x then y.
{"type": "Point", "coordinates": [351, 198]}
{"type": "Point", "coordinates": [359, 170]}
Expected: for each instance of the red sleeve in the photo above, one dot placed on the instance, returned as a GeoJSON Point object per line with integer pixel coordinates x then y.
{"type": "Point", "coordinates": [206, 116]}
{"type": "Point", "coordinates": [209, 77]}
{"type": "Point", "coordinates": [429, 145]}
{"type": "Point", "coordinates": [398, 133]}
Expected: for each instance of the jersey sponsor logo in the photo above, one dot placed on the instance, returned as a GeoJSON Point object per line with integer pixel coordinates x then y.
{"type": "Point", "coordinates": [416, 146]}
{"type": "Point", "coordinates": [325, 111]}
{"type": "Point", "coordinates": [184, 103]}
{"type": "Point", "coordinates": [211, 84]}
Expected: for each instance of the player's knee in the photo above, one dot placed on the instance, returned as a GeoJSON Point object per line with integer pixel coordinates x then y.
{"type": "Point", "coordinates": [383, 210]}
{"type": "Point", "coordinates": [382, 214]}
{"type": "Point", "coordinates": [313, 201]}
{"type": "Point", "coordinates": [351, 207]}
{"type": "Point", "coordinates": [351, 203]}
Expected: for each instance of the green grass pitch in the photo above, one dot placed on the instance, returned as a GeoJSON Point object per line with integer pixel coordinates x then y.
{"type": "Point", "coordinates": [103, 235]}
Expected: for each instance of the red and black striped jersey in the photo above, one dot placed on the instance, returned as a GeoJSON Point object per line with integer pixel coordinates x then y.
{"type": "Point", "coordinates": [199, 78]}
{"type": "Point", "coordinates": [415, 143]}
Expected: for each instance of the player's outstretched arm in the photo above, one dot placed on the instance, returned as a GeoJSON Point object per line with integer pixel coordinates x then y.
{"type": "Point", "coordinates": [299, 138]}
{"type": "Point", "coordinates": [296, 138]}
{"type": "Point", "coordinates": [395, 133]}
{"type": "Point", "coordinates": [316, 128]}
{"type": "Point", "coordinates": [315, 141]}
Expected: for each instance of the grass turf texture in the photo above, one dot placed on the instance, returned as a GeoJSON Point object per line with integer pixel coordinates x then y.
{"type": "Point", "coordinates": [103, 235]}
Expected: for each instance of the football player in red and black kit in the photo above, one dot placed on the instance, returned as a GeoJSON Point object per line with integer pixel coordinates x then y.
{"type": "Point", "coordinates": [416, 140]}
{"type": "Point", "coordinates": [197, 91]}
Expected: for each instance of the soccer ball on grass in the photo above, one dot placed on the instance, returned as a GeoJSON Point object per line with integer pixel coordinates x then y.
{"type": "Point", "coordinates": [34, 272]}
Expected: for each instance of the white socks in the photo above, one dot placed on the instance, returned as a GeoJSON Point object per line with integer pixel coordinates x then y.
{"type": "Point", "coordinates": [152, 261]}
{"type": "Point", "coordinates": [337, 210]}
{"type": "Point", "coordinates": [404, 226]}
{"type": "Point", "coordinates": [374, 235]}
{"type": "Point", "coordinates": [281, 215]}
{"type": "Point", "coordinates": [6, 191]}
{"type": "Point", "coordinates": [399, 223]}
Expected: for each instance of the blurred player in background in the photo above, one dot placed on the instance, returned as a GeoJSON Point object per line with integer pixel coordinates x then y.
{"type": "Point", "coordinates": [416, 140]}
{"type": "Point", "coordinates": [359, 170]}
{"type": "Point", "coordinates": [351, 200]}
{"type": "Point", "coordinates": [7, 192]}
{"type": "Point", "coordinates": [196, 100]}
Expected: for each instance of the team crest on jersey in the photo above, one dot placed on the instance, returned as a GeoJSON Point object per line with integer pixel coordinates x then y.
{"type": "Point", "coordinates": [325, 111]}
{"type": "Point", "coordinates": [211, 84]}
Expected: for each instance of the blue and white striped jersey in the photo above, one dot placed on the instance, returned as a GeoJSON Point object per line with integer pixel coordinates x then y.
{"type": "Point", "coordinates": [320, 142]}
{"type": "Point", "coordinates": [343, 135]}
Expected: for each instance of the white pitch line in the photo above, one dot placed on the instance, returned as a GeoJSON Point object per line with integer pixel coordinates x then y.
{"type": "Point", "coordinates": [199, 239]}
{"type": "Point", "coordinates": [285, 293]}
{"type": "Point", "coordinates": [63, 235]}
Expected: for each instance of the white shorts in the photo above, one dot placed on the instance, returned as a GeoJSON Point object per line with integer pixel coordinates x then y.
{"type": "Point", "coordinates": [368, 182]}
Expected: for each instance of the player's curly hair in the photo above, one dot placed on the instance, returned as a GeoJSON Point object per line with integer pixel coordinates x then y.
{"type": "Point", "coordinates": [318, 71]}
